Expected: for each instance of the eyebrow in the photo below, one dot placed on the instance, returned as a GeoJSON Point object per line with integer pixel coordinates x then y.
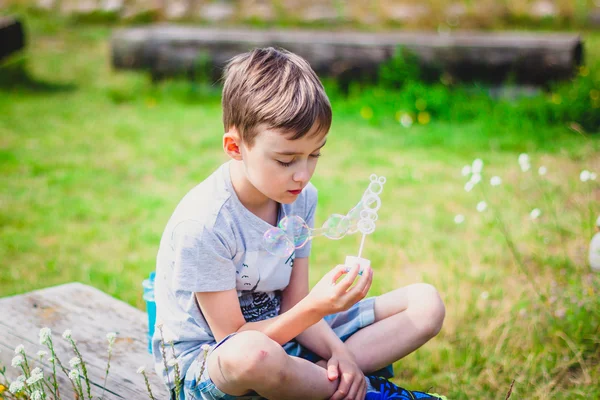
{"type": "Point", "coordinates": [293, 153]}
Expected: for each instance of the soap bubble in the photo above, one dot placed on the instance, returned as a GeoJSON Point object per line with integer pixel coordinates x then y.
{"type": "Point", "coordinates": [277, 242]}
{"type": "Point", "coordinates": [293, 233]}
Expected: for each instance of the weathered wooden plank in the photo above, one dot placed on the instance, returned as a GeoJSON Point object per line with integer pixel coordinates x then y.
{"type": "Point", "coordinates": [90, 314]}
{"type": "Point", "coordinates": [529, 57]}
{"type": "Point", "coordinates": [12, 37]}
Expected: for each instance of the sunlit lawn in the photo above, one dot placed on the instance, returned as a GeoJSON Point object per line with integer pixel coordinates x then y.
{"type": "Point", "coordinates": [94, 161]}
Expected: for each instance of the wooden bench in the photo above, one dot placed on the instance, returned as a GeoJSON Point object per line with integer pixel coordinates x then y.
{"type": "Point", "coordinates": [90, 314]}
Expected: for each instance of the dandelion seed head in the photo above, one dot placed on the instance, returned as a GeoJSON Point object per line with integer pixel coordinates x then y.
{"type": "Point", "coordinates": [477, 166]}
{"type": "Point", "coordinates": [111, 337]}
{"type": "Point", "coordinates": [525, 167]}
{"type": "Point", "coordinates": [584, 176]}
{"type": "Point", "coordinates": [73, 374]}
{"type": "Point", "coordinates": [17, 361]}
{"type": "Point", "coordinates": [523, 158]}
{"type": "Point", "coordinates": [481, 206]}
{"type": "Point", "coordinates": [469, 186]}
{"type": "Point", "coordinates": [41, 354]}
{"type": "Point", "coordinates": [141, 370]}
{"type": "Point", "coordinates": [36, 395]}
{"type": "Point", "coordinates": [459, 219]}
{"type": "Point", "coordinates": [33, 379]}
{"type": "Point", "coordinates": [67, 334]}
{"type": "Point", "coordinates": [45, 334]}
{"type": "Point", "coordinates": [475, 178]}
{"type": "Point", "coordinates": [206, 347]}
{"type": "Point", "coordinates": [37, 371]}
{"type": "Point", "coordinates": [406, 120]}
{"type": "Point", "coordinates": [16, 386]}
{"type": "Point", "coordinates": [484, 295]}
{"type": "Point", "coordinates": [496, 181]}
{"type": "Point", "coordinates": [20, 349]}
{"type": "Point", "coordinates": [535, 213]}
{"type": "Point", "coordinates": [466, 170]}
{"type": "Point", "coordinates": [75, 361]}
{"type": "Point", "coordinates": [542, 170]}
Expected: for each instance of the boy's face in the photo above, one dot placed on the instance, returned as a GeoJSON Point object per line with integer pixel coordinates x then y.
{"type": "Point", "coordinates": [280, 168]}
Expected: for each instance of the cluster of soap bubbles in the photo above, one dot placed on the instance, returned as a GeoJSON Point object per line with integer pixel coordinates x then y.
{"type": "Point", "coordinates": [293, 233]}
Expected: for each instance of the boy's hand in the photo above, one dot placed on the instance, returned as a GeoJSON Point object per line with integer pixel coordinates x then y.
{"type": "Point", "coordinates": [352, 381]}
{"type": "Point", "coordinates": [330, 297]}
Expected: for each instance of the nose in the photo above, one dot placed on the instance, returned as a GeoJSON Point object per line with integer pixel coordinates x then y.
{"type": "Point", "coordinates": [302, 175]}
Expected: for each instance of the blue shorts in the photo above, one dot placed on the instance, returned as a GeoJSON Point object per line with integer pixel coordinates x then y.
{"type": "Point", "coordinates": [344, 324]}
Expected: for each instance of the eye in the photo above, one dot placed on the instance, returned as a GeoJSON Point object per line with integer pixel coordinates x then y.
{"type": "Point", "coordinates": [316, 155]}
{"type": "Point", "coordinates": [285, 164]}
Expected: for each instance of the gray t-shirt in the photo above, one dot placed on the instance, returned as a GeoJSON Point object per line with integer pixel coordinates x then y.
{"type": "Point", "coordinates": [213, 243]}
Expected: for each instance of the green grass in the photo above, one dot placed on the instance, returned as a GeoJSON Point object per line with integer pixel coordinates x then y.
{"type": "Point", "coordinates": [94, 161]}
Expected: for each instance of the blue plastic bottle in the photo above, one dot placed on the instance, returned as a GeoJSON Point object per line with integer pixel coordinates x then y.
{"type": "Point", "coordinates": [148, 285]}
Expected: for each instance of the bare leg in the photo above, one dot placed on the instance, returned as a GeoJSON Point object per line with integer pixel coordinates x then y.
{"type": "Point", "coordinates": [252, 361]}
{"type": "Point", "coordinates": [405, 319]}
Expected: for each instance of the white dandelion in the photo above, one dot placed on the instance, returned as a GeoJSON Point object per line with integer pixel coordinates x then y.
{"type": "Point", "coordinates": [75, 361]}
{"type": "Point", "coordinates": [477, 166]}
{"type": "Point", "coordinates": [523, 158]}
{"type": "Point", "coordinates": [484, 295]}
{"type": "Point", "coordinates": [584, 176]}
{"type": "Point", "coordinates": [475, 178]}
{"type": "Point", "coordinates": [67, 334]}
{"type": "Point", "coordinates": [20, 349]}
{"type": "Point", "coordinates": [41, 354]}
{"type": "Point", "coordinates": [111, 337]}
{"type": "Point", "coordinates": [466, 170]}
{"type": "Point", "coordinates": [542, 170]}
{"type": "Point", "coordinates": [141, 370]}
{"type": "Point", "coordinates": [172, 362]}
{"type": "Point", "coordinates": [37, 395]}
{"type": "Point", "coordinates": [45, 334]}
{"type": "Point", "coordinates": [459, 219]}
{"type": "Point", "coordinates": [496, 181]}
{"type": "Point", "coordinates": [535, 213]}
{"type": "Point", "coordinates": [205, 347]}
{"type": "Point", "coordinates": [469, 186]}
{"type": "Point", "coordinates": [17, 361]}
{"type": "Point", "coordinates": [73, 374]}
{"type": "Point", "coordinates": [481, 206]}
{"type": "Point", "coordinates": [16, 386]}
{"type": "Point", "coordinates": [406, 120]}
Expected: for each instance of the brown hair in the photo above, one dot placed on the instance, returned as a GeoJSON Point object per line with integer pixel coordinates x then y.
{"type": "Point", "coordinates": [276, 88]}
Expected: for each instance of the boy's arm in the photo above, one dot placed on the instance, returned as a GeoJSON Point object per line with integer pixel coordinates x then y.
{"type": "Point", "coordinates": [224, 316]}
{"type": "Point", "coordinates": [319, 337]}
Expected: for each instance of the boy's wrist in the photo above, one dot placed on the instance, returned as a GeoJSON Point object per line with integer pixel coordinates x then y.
{"type": "Point", "coordinates": [312, 309]}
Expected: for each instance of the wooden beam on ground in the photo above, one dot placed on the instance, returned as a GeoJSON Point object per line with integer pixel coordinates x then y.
{"type": "Point", "coordinates": [536, 58]}
{"type": "Point", "coordinates": [90, 314]}
{"type": "Point", "coordinates": [12, 36]}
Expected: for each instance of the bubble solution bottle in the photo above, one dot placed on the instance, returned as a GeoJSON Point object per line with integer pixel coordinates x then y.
{"type": "Point", "coordinates": [148, 285]}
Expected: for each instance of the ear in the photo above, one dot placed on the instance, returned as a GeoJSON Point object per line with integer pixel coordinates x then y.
{"type": "Point", "coordinates": [232, 143]}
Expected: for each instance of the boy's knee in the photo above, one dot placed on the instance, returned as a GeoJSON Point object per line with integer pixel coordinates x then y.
{"type": "Point", "coordinates": [253, 357]}
{"type": "Point", "coordinates": [431, 308]}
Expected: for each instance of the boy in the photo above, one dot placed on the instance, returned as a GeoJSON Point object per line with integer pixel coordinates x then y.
{"type": "Point", "coordinates": [269, 336]}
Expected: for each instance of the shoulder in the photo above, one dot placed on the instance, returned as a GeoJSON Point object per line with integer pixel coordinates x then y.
{"type": "Point", "coordinates": [202, 208]}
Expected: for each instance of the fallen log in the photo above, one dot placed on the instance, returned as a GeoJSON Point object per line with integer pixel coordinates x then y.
{"type": "Point", "coordinates": [12, 37]}
{"type": "Point", "coordinates": [166, 50]}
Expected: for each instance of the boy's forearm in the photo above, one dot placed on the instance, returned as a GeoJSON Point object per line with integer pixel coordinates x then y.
{"type": "Point", "coordinates": [321, 340]}
{"type": "Point", "coordinates": [287, 325]}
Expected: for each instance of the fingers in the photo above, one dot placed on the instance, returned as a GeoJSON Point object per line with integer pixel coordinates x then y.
{"type": "Point", "coordinates": [349, 279]}
{"type": "Point", "coordinates": [343, 387]}
{"type": "Point", "coordinates": [332, 370]}
{"type": "Point", "coordinates": [337, 272]}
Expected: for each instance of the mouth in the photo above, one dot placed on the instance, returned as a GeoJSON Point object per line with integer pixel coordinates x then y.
{"type": "Point", "coordinates": [295, 192]}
